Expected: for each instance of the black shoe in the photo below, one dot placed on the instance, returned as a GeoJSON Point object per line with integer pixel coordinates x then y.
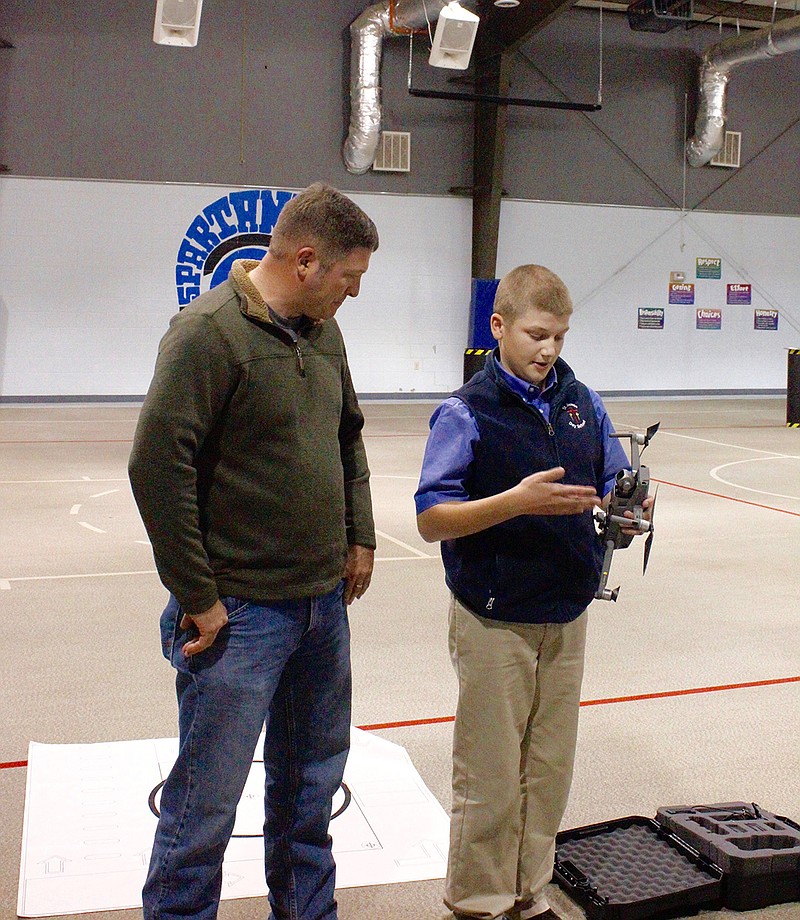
{"type": "Point", "coordinates": [548, 914]}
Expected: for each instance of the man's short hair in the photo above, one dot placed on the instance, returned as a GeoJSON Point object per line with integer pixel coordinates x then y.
{"type": "Point", "coordinates": [323, 217]}
{"type": "Point", "coordinates": [531, 286]}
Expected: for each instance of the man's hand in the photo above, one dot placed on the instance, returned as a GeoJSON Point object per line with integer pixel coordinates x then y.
{"type": "Point", "coordinates": [357, 572]}
{"type": "Point", "coordinates": [208, 624]}
{"type": "Point", "coordinates": [542, 493]}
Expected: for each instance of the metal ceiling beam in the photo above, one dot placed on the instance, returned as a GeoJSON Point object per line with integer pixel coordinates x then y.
{"type": "Point", "coordinates": [749, 15]}
{"type": "Point", "coordinates": [506, 29]}
{"type": "Point", "coordinates": [488, 156]}
{"type": "Point", "coordinates": [501, 32]}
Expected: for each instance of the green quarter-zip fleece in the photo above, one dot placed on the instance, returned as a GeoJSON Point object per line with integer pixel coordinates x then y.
{"type": "Point", "coordinates": [248, 464]}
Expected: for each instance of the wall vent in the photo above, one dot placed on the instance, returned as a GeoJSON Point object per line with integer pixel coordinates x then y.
{"type": "Point", "coordinates": [394, 152]}
{"type": "Point", "coordinates": [730, 153]}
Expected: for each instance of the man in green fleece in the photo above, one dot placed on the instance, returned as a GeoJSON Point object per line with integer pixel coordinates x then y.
{"type": "Point", "coordinates": [251, 477]}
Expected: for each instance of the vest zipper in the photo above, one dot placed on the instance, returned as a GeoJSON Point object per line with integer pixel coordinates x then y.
{"type": "Point", "coordinates": [301, 367]}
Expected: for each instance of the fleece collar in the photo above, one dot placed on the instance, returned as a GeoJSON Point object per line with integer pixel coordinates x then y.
{"type": "Point", "coordinates": [253, 304]}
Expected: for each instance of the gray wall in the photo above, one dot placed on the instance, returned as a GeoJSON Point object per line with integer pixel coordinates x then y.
{"type": "Point", "coordinates": [85, 93]}
{"type": "Point", "coordinates": [631, 152]}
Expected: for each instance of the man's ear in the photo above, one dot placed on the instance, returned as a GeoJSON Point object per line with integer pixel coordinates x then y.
{"type": "Point", "coordinates": [496, 325]}
{"type": "Point", "coordinates": [304, 259]}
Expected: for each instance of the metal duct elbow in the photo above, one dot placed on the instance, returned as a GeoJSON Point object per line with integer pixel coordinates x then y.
{"type": "Point", "coordinates": [709, 125]}
{"type": "Point", "coordinates": [715, 71]}
{"type": "Point", "coordinates": [366, 45]}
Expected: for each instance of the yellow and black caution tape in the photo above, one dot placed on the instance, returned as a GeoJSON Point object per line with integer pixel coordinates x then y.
{"type": "Point", "coordinates": [794, 351]}
{"type": "Point", "coordinates": [477, 351]}
{"type": "Point", "coordinates": [793, 424]}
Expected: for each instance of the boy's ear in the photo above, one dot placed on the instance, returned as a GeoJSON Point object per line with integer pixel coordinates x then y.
{"type": "Point", "coordinates": [496, 325]}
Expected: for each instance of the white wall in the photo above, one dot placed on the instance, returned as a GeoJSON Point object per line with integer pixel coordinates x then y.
{"type": "Point", "coordinates": [615, 260]}
{"type": "Point", "coordinates": [87, 286]}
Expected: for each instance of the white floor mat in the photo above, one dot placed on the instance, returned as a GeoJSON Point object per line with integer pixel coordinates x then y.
{"type": "Point", "coordinates": [90, 819]}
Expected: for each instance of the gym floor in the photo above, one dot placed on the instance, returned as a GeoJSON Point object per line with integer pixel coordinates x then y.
{"type": "Point", "coordinates": [692, 686]}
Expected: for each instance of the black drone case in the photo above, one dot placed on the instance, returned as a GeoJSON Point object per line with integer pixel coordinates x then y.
{"type": "Point", "coordinates": [691, 857]}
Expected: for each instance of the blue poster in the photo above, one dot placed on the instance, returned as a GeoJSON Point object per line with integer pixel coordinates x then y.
{"type": "Point", "coordinates": [651, 317]}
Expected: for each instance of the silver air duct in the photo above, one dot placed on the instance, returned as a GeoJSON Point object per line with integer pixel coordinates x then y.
{"type": "Point", "coordinates": [367, 32]}
{"type": "Point", "coordinates": [715, 70]}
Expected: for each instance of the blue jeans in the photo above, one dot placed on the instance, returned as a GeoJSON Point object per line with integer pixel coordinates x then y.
{"type": "Point", "coordinates": [287, 665]}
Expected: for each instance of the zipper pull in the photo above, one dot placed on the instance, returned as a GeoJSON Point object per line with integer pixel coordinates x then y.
{"type": "Point", "coordinates": [550, 429]}
{"type": "Point", "coordinates": [301, 367]}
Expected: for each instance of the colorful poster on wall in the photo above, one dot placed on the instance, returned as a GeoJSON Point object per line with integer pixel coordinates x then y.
{"type": "Point", "coordinates": [765, 320]}
{"type": "Point", "coordinates": [709, 268]}
{"type": "Point", "coordinates": [709, 319]}
{"type": "Point", "coordinates": [651, 317]}
{"type": "Point", "coordinates": [681, 293]}
{"type": "Point", "coordinates": [740, 293]}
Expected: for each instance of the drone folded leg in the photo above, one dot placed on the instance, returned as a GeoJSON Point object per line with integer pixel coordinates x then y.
{"type": "Point", "coordinates": [603, 593]}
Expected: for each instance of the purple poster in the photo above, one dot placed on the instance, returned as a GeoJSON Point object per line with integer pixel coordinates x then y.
{"type": "Point", "coordinates": [709, 319]}
{"type": "Point", "coordinates": [681, 293]}
{"type": "Point", "coordinates": [739, 293]}
{"type": "Point", "coordinates": [765, 319]}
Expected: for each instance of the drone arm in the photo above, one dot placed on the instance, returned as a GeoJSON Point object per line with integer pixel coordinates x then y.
{"type": "Point", "coordinates": [603, 593]}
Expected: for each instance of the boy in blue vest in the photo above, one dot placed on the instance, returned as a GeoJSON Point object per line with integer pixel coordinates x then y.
{"type": "Point", "coordinates": [516, 461]}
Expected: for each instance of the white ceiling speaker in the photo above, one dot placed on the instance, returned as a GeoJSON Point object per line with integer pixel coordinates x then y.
{"type": "Point", "coordinates": [177, 22]}
{"type": "Point", "coordinates": [454, 38]}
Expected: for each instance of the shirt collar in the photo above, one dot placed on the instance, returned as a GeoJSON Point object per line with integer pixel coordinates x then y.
{"type": "Point", "coordinates": [529, 392]}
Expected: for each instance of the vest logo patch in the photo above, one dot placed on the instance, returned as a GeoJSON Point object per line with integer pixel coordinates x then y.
{"type": "Point", "coordinates": [574, 414]}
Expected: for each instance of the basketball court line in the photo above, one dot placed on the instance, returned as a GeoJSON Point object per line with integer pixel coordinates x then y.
{"type": "Point", "coordinates": [607, 701]}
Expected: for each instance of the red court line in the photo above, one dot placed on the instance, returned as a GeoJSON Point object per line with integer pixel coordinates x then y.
{"type": "Point", "coordinates": [729, 498]}
{"type": "Point", "coordinates": [670, 693]}
{"type": "Point", "coordinates": [614, 699]}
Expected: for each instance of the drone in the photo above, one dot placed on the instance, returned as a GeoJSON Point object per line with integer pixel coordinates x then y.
{"type": "Point", "coordinates": [630, 490]}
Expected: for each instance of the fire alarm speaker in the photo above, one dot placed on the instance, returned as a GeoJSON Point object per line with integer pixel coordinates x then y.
{"type": "Point", "coordinates": [177, 22]}
{"type": "Point", "coordinates": [454, 38]}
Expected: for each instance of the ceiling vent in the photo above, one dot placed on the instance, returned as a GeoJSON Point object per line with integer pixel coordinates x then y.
{"type": "Point", "coordinates": [730, 153]}
{"type": "Point", "coordinates": [394, 152]}
{"type": "Point", "coordinates": [659, 15]}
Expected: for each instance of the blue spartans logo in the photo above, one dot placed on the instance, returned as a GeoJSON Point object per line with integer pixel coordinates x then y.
{"type": "Point", "coordinates": [236, 226]}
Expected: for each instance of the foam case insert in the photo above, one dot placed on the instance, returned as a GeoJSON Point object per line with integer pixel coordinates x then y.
{"type": "Point", "coordinates": [632, 868]}
{"type": "Point", "coordinates": [758, 852]}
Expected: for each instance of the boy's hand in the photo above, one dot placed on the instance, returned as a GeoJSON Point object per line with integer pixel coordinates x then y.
{"type": "Point", "coordinates": [542, 493]}
{"type": "Point", "coordinates": [647, 515]}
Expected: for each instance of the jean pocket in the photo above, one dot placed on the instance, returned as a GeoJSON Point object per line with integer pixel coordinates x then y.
{"type": "Point", "coordinates": [173, 636]}
{"type": "Point", "coordinates": [235, 606]}
{"type": "Point", "coordinates": [168, 625]}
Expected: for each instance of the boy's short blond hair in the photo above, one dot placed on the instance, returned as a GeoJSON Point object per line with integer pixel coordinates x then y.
{"type": "Point", "coordinates": [528, 286]}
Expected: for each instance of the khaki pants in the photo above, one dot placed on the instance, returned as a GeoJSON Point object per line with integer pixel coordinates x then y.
{"type": "Point", "coordinates": [513, 755]}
